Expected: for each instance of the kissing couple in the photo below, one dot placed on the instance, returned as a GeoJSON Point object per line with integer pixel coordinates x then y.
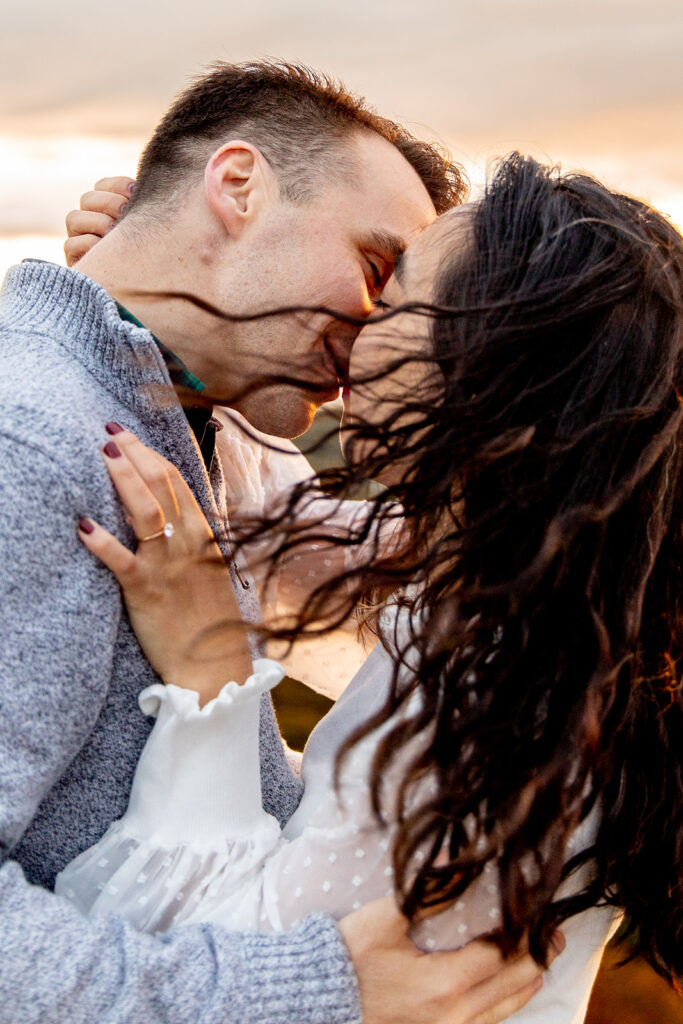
{"type": "Point", "coordinates": [508, 760]}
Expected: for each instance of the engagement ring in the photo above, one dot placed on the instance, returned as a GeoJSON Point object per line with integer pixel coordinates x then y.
{"type": "Point", "coordinates": [167, 531]}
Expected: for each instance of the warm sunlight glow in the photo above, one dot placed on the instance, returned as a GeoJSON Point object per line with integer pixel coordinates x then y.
{"type": "Point", "coordinates": [38, 247]}
{"type": "Point", "coordinates": [41, 179]}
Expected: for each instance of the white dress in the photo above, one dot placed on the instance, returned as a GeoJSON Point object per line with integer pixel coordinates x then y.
{"type": "Point", "coordinates": [195, 844]}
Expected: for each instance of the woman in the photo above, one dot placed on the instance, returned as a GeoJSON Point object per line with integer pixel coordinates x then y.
{"type": "Point", "coordinates": [510, 756]}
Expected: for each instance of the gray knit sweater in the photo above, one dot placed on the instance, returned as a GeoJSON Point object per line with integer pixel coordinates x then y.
{"type": "Point", "coordinates": [70, 728]}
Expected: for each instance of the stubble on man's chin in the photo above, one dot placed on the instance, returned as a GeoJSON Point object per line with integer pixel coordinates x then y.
{"type": "Point", "coordinates": [279, 410]}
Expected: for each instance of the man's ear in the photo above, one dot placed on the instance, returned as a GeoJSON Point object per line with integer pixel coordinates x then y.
{"type": "Point", "coordinates": [239, 183]}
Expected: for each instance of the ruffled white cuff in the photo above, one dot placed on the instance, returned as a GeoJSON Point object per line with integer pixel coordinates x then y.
{"type": "Point", "coordinates": [198, 779]}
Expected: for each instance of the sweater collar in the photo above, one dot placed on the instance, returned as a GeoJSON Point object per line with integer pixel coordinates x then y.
{"type": "Point", "coordinates": [82, 318]}
{"type": "Point", "coordinates": [177, 369]}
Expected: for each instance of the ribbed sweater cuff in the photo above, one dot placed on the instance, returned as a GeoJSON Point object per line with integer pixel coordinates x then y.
{"type": "Point", "coordinates": [307, 980]}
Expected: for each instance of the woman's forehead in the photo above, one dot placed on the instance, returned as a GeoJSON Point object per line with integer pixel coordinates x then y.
{"type": "Point", "coordinates": [445, 236]}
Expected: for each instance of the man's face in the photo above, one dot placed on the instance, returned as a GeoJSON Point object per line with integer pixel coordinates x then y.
{"type": "Point", "coordinates": [337, 251]}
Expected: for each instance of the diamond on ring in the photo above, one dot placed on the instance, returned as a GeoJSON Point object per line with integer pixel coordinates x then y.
{"type": "Point", "coordinates": [169, 530]}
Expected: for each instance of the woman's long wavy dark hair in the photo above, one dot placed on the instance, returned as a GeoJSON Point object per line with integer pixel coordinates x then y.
{"type": "Point", "coordinates": [543, 518]}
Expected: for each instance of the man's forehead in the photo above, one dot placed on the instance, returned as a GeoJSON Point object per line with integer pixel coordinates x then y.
{"type": "Point", "coordinates": [390, 196]}
{"type": "Point", "coordinates": [396, 221]}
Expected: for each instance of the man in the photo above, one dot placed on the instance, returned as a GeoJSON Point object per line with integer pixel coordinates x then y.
{"type": "Point", "coordinates": [263, 186]}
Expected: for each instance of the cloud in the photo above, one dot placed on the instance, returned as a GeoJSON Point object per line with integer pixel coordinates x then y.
{"type": "Point", "coordinates": [42, 178]}
{"type": "Point", "coordinates": [458, 67]}
{"type": "Point", "coordinates": [594, 84]}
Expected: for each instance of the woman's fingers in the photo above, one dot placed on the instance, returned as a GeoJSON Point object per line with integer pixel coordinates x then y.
{"type": "Point", "coordinates": [501, 1011]}
{"type": "Point", "coordinates": [79, 222]}
{"type": "Point", "coordinates": [109, 203]}
{"type": "Point", "coordinates": [108, 549]}
{"type": "Point", "coordinates": [162, 478]}
{"type": "Point", "coordinates": [150, 467]}
{"type": "Point", "coordinates": [99, 211]}
{"type": "Point", "coordinates": [121, 184]}
{"type": "Point", "coordinates": [165, 484]}
{"type": "Point", "coordinates": [513, 983]}
{"type": "Point", "coordinates": [508, 987]}
{"type": "Point", "coordinates": [146, 514]}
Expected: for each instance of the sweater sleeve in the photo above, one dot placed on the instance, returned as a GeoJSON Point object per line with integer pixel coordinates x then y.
{"type": "Point", "coordinates": [59, 615]}
{"type": "Point", "coordinates": [59, 618]}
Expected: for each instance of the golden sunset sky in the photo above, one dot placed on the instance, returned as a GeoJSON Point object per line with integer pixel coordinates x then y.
{"type": "Point", "coordinates": [593, 84]}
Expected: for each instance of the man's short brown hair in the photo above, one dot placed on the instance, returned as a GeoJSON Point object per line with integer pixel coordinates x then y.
{"type": "Point", "coordinates": [296, 117]}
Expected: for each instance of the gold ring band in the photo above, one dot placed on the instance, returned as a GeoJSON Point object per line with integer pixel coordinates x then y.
{"type": "Point", "coordinates": [167, 531]}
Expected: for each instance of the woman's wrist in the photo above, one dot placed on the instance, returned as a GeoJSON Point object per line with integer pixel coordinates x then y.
{"type": "Point", "coordinates": [207, 684]}
{"type": "Point", "coordinates": [206, 671]}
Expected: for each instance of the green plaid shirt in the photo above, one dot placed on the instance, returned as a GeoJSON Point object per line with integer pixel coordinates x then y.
{"type": "Point", "coordinates": [201, 422]}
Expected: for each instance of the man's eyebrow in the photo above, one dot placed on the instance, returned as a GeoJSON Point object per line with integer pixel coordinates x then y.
{"type": "Point", "coordinates": [384, 243]}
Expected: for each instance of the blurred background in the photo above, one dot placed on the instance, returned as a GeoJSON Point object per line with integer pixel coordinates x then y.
{"type": "Point", "coordinates": [595, 84]}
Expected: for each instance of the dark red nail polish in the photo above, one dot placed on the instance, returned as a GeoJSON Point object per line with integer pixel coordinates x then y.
{"type": "Point", "coordinates": [85, 526]}
{"type": "Point", "coordinates": [112, 450]}
{"type": "Point", "coordinates": [113, 427]}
